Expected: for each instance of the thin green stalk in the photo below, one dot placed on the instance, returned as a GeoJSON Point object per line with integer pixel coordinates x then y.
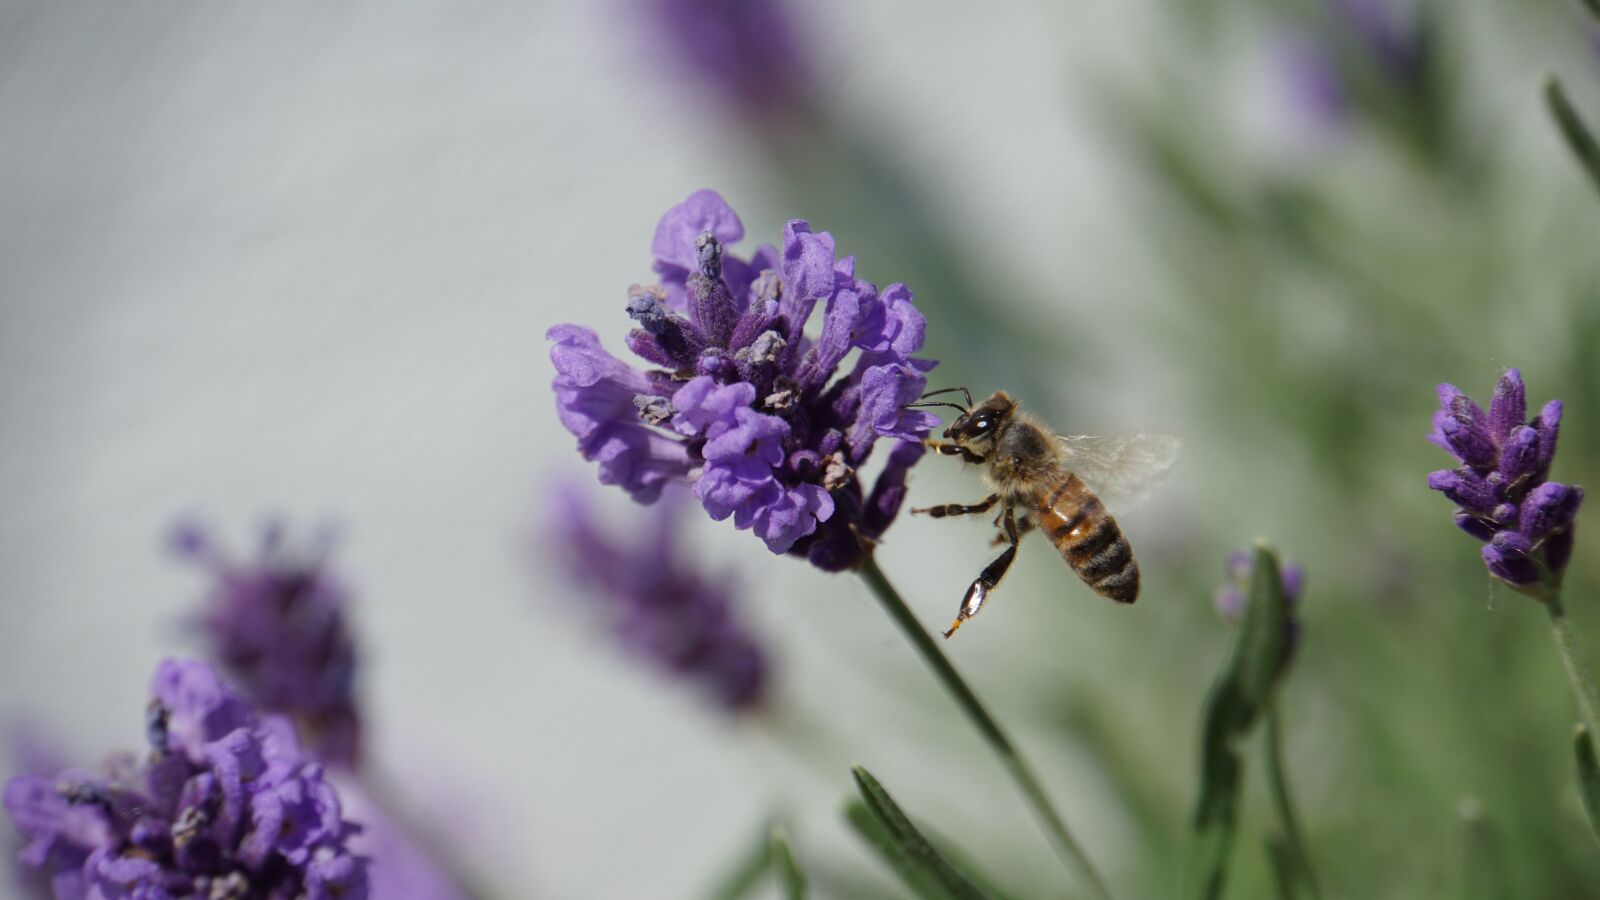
{"type": "Point", "coordinates": [1567, 645]}
{"type": "Point", "coordinates": [1022, 773]}
{"type": "Point", "coordinates": [1579, 140]}
{"type": "Point", "coordinates": [1278, 784]}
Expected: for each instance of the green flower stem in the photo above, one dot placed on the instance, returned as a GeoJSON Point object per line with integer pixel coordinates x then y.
{"type": "Point", "coordinates": [1567, 645]}
{"type": "Point", "coordinates": [1022, 773]}
{"type": "Point", "coordinates": [1279, 786]}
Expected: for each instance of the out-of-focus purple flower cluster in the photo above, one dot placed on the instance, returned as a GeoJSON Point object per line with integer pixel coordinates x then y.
{"type": "Point", "coordinates": [660, 607]}
{"type": "Point", "coordinates": [748, 50]}
{"type": "Point", "coordinates": [1506, 501]}
{"type": "Point", "coordinates": [277, 625]}
{"type": "Point", "coordinates": [1230, 597]}
{"type": "Point", "coordinates": [225, 806]}
{"type": "Point", "coordinates": [744, 403]}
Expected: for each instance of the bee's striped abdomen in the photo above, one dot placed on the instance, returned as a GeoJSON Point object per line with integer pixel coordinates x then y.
{"type": "Point", "coordinates": [1077, 523]}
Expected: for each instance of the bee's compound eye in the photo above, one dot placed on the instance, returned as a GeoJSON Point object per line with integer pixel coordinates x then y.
{"type": "Point", "coordinates": [981, 424]}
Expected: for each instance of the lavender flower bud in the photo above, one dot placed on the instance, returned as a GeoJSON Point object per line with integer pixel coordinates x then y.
{"type": "Point", "coordinates": [1474, 526]}
{"type": "Point", "coordinates": [1519, 457]}
{"type": "Point", "coordinates": [1466, 488]}
{"type": "Point", "coordinates": [1515, 570]}
{"type": "Point", "coordinates": [1549, 427]}
{"type": "Point", "coordinates": [671, 341]}
{"type": "Point", "coordinates": [1508, 408]}
{"type": "Point", "coordinates": [1557, 549]}
{"type": "Point", "coordinates": [1548, 507]}
{"type": "Point", "coordinates": [1231, 598]}
{"type": "Point", "coordinates": [1470, 443]}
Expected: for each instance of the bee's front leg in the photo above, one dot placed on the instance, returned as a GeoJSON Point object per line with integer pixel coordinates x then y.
{"type": "Point", "coordinates": [989, 577]}
{"type": "Point", "coordinates": [958, 509]}
{"type": "Point", "coordinates": [948, 449]}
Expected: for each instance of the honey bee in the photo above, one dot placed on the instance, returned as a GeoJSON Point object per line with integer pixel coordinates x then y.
{"type": "Point", "coordinates": [1054, 480]}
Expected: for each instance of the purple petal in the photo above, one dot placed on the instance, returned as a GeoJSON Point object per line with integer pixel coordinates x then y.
{"type": "Point", "coordinates": [676, 233]}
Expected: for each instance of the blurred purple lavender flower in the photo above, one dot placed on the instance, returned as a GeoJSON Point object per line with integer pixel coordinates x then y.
{"type": "Point", "coordinates": [1525, 521]}
{"type": "Point", "coordinates": [1395, 40]}
{"type": "Point", "coordinates": [277, 625]}
{"type": "Point", "coordinates": [1311, 81]}
{"type": "Point", "coordinates": [1230, 600]}
{"type": "Point", "coordinates": [226, 806]}
{"type": "Point", "coordinates": [744, 404]}
{"type": "Point", "coordinates": [656, 604]}
{"type": "Point", "coordinates": [750, 51]}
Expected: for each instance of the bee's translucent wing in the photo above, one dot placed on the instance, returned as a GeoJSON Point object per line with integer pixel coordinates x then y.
{"type": "Point", "coordinates": [1121, 468]}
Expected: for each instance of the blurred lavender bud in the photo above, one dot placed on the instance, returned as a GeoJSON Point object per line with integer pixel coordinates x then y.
{"type": "Point", "coordinates": [748, 51]}
{"type": "Point", "coordinates": [1230, 597]}
{"type": "Point", "coordinates": [760, 404]}
{"type": "Point", "coordinates": [226, 806]}
{"type": "Point", "coordinates": [1311, 81]}
{"type": "Point", "coordinates": [277, 626]}
{"type": "Point", "coordinates": [1395, 41]}
{"type": "Point", "coordinates": [656, 603]}
{"type": "Point", "coordinates": [1524, 521]}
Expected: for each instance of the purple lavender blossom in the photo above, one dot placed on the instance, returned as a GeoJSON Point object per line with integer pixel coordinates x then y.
{"type": "Point", "coordinates": [277, 626]}
{"type": "Point", "coordinates": [659, 607]}
{"type": "Point", "coordinates": [743, 403]}
{"type": "Point", "coordinates": [1230, 598]}
{"type": "Point", "coordinates": [750, 51]}
{"type": "Point", "coordinates": [226, 806]}
{"type": "Point", "coordinates": [1524, 521]}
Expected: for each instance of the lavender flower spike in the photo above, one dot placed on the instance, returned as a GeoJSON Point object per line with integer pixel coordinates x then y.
{"type": "Point", "coordinates": [225, 806]}
{"type": "Point", "coordinates": [659, 607]}
{"type": "Point", "coordinates": [742, 402]}
{"type": "Point", "coordinates": [277, 626]}
{"type": "Point", "coordinates": [1230, 599]}
{"type": "Point", "coordinates": [1524, 521]}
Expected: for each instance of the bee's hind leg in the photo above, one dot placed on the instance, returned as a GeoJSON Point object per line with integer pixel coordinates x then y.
{"type": "Point", "coordinates": [1024, 525]}
{"type": "Point", "coordinates": [978, 592]}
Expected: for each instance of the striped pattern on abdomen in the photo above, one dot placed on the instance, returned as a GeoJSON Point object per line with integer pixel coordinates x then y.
{"type": "Point", "coordinates": [1077, 523]}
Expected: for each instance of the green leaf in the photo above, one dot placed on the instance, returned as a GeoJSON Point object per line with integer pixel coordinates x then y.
{"type": "Point", "coordinates": [1282, 868]}
{"type": "Point", "coordinates": [784, 865]}
{"type": "Point", "coordinates": [924, 869]}
{"type": "Point", "coordinates": [1588, 777]}
{"type": "Point", "coordinates": [746, 873]}
{"type": "Point", "coordinates": [1578, 137]}
{"type": "Point", "coordinates": [878, 838]}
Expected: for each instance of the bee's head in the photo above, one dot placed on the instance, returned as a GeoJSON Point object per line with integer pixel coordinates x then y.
{"type": "Point", "coordinates": [976, 428]}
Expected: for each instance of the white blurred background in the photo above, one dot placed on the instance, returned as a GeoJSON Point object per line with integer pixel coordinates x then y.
{"type": "Point", "coordinates": [299, 258]}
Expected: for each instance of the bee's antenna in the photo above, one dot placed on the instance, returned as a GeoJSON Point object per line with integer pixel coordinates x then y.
{"type": "Point", "coordinates": [959, 409]}
{"type": "Point", "coordinates": [964, 392]}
